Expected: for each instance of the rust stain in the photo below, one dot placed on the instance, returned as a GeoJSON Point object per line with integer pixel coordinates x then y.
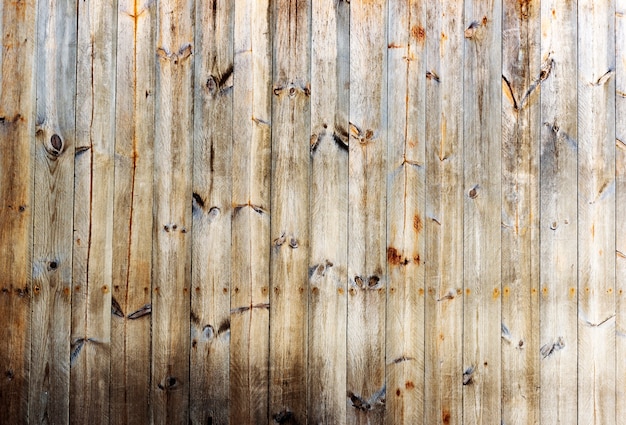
{"type": "Point", "coordinates": [418, 33]}
{"type": "Point", "coordinates": [409, 385]}
{"type": "Point", "coordinates": [468, 291]}
{"type": "Point", "coordinates": [544, 291]}
{"type": "Point", "coordinates": [66, 291]}
{"type": "Point", "coordinates": [77, 288]}
{"type": "Point", "coordinates": [393, 256]}
{"type": "Point", "coordinates": [445, 416]}
{"type": "Point", "coordinates": [340, 291]}
{"type": "Point", "coordinates": [609, 291]}
{"type": "Point", "coordinates": [420, 291]}
{"type": "Point", "coordinates": [485, 20]}
{"type": "Point", "coordinates": [394, 46]}
{"type": "Point", "coordinates": [506, 291]}
{"type": "Point", "coordinates": [105, 289]}
{"type": "Point", "coordinates": [496, 293]}
{"type": "Point", "coordinates": [315, 290]}
{"type": "Point", "coordinates": [398, 392]}
{"type": "Point", "coordinates": [418, 225]}
{"type": "Point", "coordinates": [572, 292]}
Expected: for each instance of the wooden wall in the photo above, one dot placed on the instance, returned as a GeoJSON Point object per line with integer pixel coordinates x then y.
{"type": "Point", "coordinates": [313, 211]}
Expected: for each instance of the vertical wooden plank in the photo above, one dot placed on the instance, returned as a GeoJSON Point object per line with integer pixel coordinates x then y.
{"type": "Point", "coordinates": [330, 96]}
{"type": "Point", "coordinates": [559, 222]}
{"type": "Point", "coordinates": [443, 222]}
{"type": "Point", "coordinates": [251, 173]}
{"type": "Point", "coordinates": [367, 279]}
{"type": "Point", "coordinates": [210, 299]}
{"type": "Point", "coordinates": [93, 212]}
{"type": "Point", "coordinates": [620, 209]}
{"type": "Point", "coordinates": [291, 122]}
{"type": "Point", "coordinates": [171, 261]}
{"type": "Point", "coordinates": [404, 335]}
{"type": "Point", "coordinates": [521, 80]}
{"type": "Point", "coordinates": [55, 134]}
{"type": "Point", "coordinates": [481, 256]}
{"type": "Point", "coordinates": [596, 212]}
{"type": "Point", "coordinates": [132, 219]}
{"type": "Point", "coordinates": [17, 109]}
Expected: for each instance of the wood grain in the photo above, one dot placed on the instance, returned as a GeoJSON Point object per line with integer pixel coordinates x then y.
{"type": "Point", "coordinates": [93, 212]}
{"type": "Point", "coordinates": [596, 212]}
{"type": "Point", "coordinates": [55, 143]}
{"type": "Point", "coordinates": [17, 114]}
{"type": "Point", "coordinates": [291, 121]}
{"type": "Point", "coordinates": [171, 261]}
{"type": "Point", "coordinates": [367, 278]}
{"type": "Point", "coordinates": [251, 174]}
{"type": "Point", "coordinates": [132, 218]}
{"type": "Point", "coordinates": [558, 212]}
{"type": "Point", "coordinates": [521, 81]}
{"type": "Point", "coordinates": [212, 211]}
{"type": "Point", "coordinates": [404, 331]}
{"type": "Point", "coordinates": [482, 185]}
{"type": "Point", "coordinates": [329, 212]}
{"type": "Point", "coordinates": [443, 219]}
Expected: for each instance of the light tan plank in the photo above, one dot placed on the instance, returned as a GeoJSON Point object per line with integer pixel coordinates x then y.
{"type": "Point", "coordinates": [210, 300]}
{"type": "Point", "coordinates": [558, 212]}
{"type": "Point", "coordinates": [596, 212]}
{"type": "Point", "coordinates": [49, 394]}
{"type": "Point", "coordinates": [171, 261]}
{"type": "Point", "coordinates": [620, 209]}
{"type": "Point", "coordinates": [330, 98]}
{"type": "Point", "coordinates": [291, 108]}
{"type": "Point", "coordinates": [132, 218]}
{"type": "Point", "coordinates": [443, 221]}
{"type": "Point", "coordinates": [93, 212]}
{"type": "Point", "coordinates": [367, 279]}
{"type": "Point", "coordinates": [404, 332]}
{"type": "Point", "coordinates": [251, 172]}
{"type": "Point", "coordinates": [521, 82]}
{"type": "Point", "coordinates": [482, 153]}
{"type": "Point", "coordinates": [17, 113]}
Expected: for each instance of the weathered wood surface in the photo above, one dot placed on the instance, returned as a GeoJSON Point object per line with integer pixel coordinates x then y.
{"type": "Point", "coordinates": [132, 219]}
{"type": "Point", "coordinates": [17, 118]}
{"type": "Point", "coordinates": [364, 211]}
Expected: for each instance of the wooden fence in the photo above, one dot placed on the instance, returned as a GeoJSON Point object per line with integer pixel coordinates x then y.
{"type": "Point", "coordinates": [313, 211]}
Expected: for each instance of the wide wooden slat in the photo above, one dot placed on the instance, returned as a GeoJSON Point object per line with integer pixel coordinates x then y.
{"type": "Point", "coordinates": [521, 82]}
{"type": "Point", "coordinates": [404, 332]}
{"type": "Point", "coordinates": [620, 210]}
{"type": "Point", "coordinates": [291, 123]}
{"type": "Point", "coordinates": [49, 392]}
{"type": "Point", "coordinates": [329, 212]}
{"type": "Point", "coordinates": [17, 114]}
{"type": "Point", "coordinates": [93, 212]}
{"type": "Point", "coordinates": [443, 221]}
{"type": "Point", "coordinates": [596, 212]}
{"type": "Point", "coordinates": [251, 173]}
{"type": "Point", "coordinates": [210, 299]}
{"type": "Point", "coordinates": [132, 218]}
{"type": "Point", "coordinates": [367, 279]}
{"type": "Point", "coordinates": [171, 261]}
{"type": "Point", "coordinates": [481, 248]}
{"type": "Point", "coordinates": [558, 212]}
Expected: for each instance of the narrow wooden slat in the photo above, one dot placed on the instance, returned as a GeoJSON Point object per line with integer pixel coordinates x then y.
{"type": "Point", "coordinates": [521, 82]}
{"type": "Point", "coordinates": [17, 113]}
{"type": "Point", "coordinates": [404, 332]}
{"type": "Point", "coordinates": [210, 300]}
{"type": "Point", "coordinates": [596, 212]}
{"type": "Point", "coordinates": [171, 261]}
{"type": "Point", "coordinates": [93, 212]}
{"type": "Point", "coordinates": [481, 257]}
{"type": "Point", "coordinates": [443, 222]}
{"type": "Point", "coordinates": [559, 222]}
{"type": "Point", "coordinates": [291, 122]}
{"type": "Point", "coordinates": [330, 98]}
{"type": "Point", "coordinates": [620, 210]}
{"type": "Point", "coordinates": [49, 394]}
{"type": "Point", "coordinates": [251, 173]}
{"type": "Point", "coordinates": [132, 218]}
{"type": "Point", "coordinates": [367, 279]}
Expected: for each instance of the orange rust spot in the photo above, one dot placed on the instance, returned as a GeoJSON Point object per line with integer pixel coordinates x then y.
{"type": "Point", "coordinates": [409, 385]}
{"type": "Point", "coordinates": [609, 291]}
{"type": "Point", "coordinates": [77, 288]}
{"type": "Point", "coordinates": [572, 292]}
{"type": "Point", "coordinates": [496, 293]}
{"type": "Point", "coordinates": [417, 259]}
{"type": "Point", "coordinates": [105, 289]}
{"type": "Point", "coordinates": [398, 392]}
{"type": "Point", "coordinates": [381, 290]}
{"type": "Point", "coordinates": [587, 289]}
{"type": "Point", "coordinates": [485, 20]}
{"type": "Point", "coordinates": [420, 291]}
{"type": "Point", "coordinates": [554, 13]}
{"type": "Point", "coordinates": [156, 289]}
{"type": "Point", "coordinates": [315, 290]}
{"type": "Point", "coordinates": [78, 242]}
{"type": "Point", "coordinates": [392, 290]}
{"type": "Point", "coordinates": [533, 291]}
{"type": "Point", "coordinates": [37, 289]}
{"type": "Point", "coordinates": [352, 291]}
{"type": "Point", "coordinates": [417, 223]}
{"type": "Point", "coordinates": [197, 289]}
{"type": "Point", "coordinates": [394, 46]}
{"type": "Point", "coordinates": [506, 290]}
{"type": "Point", "coordinates": [264, 290]}
{"type": "Point", "coordinates": [393, 256]}
{"type": "Point", "coordinates": [445, 416]}
{"type": "Point", "coordinates": [276, 290]}
{"type": "Point", "coordinates": [301, 289]}
{"type": "Point", "coordinates": [185, 290]}
{"type": "Point", "coordinates": [621, 291]}
{"type": "Point", "coordinates": [593, 230]}
{"type": "Point", "coordinates": [236, 289]}
{"type": "Point", "coordinates": [444, 36]}
{"type": "Point", "coordinates": [340, 291]}
{"type": "Point", "coordinates": [544, 291]}
{"type": "Point", "coordinates": [431, 291]}
{"type": "Point", "coordinates": [418, 33]}
{"type": "Point", "coordinates": [441, 336]}
{"type": "Point", "coordinates": [225, 290]}
{"type": "Point", "coordinates": [66, 291]}
{"type": "Point", "coordinates": [145, 289]}
{"type": "Point", "coordinates": [468, 291]}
